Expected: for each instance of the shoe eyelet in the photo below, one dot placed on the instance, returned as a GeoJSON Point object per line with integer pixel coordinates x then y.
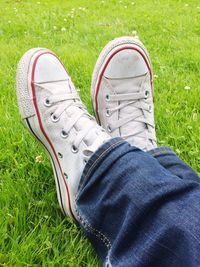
{"type": "Point", "coordinates": [66, 176]}
{"type": "Point", "coordinates": [60, 155]}
{"type": "Point", "coordinates": [54, 118]}
{"type": "Point", "coordinates": [47, 102]}
{"type": "Point", "coordinates": [109, 129]}
{"type": "Point", "coordinates": [107, 98]}
{"type": "Point", "coordinates": [74, 149]}
{"type": "Point", "coordinates": [64, 134]}
{"type": "Point", "coordinates": [107, 113]}
{"type": "Point", "coordinates": [85, 161]}
{"type": "Point", "coordinates": [146, 94]}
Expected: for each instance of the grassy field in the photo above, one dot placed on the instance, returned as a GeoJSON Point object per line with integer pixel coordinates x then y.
{"type": "Point", "coordinates": [33, 232]}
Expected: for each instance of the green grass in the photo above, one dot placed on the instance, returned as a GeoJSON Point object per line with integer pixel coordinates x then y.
{"type": "Point", "coordinates": [33, 232]}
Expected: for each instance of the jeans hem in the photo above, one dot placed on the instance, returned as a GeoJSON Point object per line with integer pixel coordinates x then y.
{"type": "Point", "coordinates": [161, 151]}
{"type": "Point", "coordinates": [96, 158]}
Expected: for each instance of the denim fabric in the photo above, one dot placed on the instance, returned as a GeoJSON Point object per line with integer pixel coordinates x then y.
{"type": "Point", "coordinates": [136, 212]}
{"type": "Point", "coordinates": [170, 161]}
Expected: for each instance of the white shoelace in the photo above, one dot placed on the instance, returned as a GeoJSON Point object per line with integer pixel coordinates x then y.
{"type": "Point", "coordinates": [141, 114]}
{"type": "Point", "coordinates": [70, 105]}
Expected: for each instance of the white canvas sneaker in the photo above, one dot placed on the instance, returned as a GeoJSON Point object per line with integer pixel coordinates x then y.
{"type": "Point", "coordinates": [53, 112]}
{"type": "Point", "coordinates": [122, 92]}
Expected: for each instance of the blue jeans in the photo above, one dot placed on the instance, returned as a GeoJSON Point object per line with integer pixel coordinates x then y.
{"type": "Point", "coordinates": [140, 209]}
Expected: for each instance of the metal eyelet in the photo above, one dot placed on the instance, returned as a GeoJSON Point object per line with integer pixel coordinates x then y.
{"type": "Point", "coordinates": [107, 112]}
{"type": "Point", "coordinates": [54, 118]}
{"type": "Point", "coordinates": [66, 176]}
{"type": "Point", "coordinates": [109, 129]}
{"type": "Point", "coordinates": [64, 134]}
{"type": "Point", "coordinates": [107, 98]}
{"type": "Point", "coordinates": [74, 149]}
{"type": "Point", "coordinates": [60, 155]}
{"type": "Point", "coordinates": [85, 161]}
{"type": "Point", "coordinates": [47, 102]}
{"type": "Point", "coordinates": [146, 93]}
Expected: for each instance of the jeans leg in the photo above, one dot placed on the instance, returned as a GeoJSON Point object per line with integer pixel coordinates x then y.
{"type": "Point", "coordinates": [170, 161]}
{"type": "Point", "coordinates": [135, 212]}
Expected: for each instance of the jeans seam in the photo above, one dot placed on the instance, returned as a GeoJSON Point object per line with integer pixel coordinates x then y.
{"type": "Point", "coordinates": [102, 237]}
{"type": "Point", "coordinates": [96, 162]}
{"type": "Point", "coordinates": [89, 228]}
{"type": "Point", "coordinates": [107, 261]}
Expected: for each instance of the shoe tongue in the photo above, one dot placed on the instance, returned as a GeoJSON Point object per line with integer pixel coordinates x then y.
{"type": "Point", "coordinates": [94, 137]}
{"type": "Point", "coordinates": [83, 122]}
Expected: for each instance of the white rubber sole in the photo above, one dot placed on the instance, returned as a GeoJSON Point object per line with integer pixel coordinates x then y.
{"type": "Point", "coordinates": [111, 48]}
{"type": "Point", "coordinates": [29, 113]}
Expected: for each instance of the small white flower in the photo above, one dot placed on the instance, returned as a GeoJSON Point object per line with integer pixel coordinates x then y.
{"type": "Point", "coordinates": [63, 29]}
{"type": "Point", "coordinates": [155, 76]}
{"type": "Point", "coordinates": [198, 7]}
{"type": "Point", "coordinates": [38, 3]}
{"type": "Point", "coordinates": [125, 6]}
{"type": "Point", "coordinates": [186, 5]}
{"type": "Point", "coordinates": [65, 19]}
{"type": "Point", "coordinates": [132, 3]}
{"type": "Point", "coordinates": [9, 22]}
{"type": "Point", "coordinates": [134, 33]}
{"type": "Point", "coordinates": [55, 27]}
{"type": "Point", "coordinates": [194, 116]}
{"type": "Point", "coordinates": [38, 159]}
{"type": "Point", "coordinates": [136, 37]}
{"type": "Point", "coordinates": [187, 87]}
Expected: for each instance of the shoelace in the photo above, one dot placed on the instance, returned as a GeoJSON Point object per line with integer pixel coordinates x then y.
{"type": "Point", "coordinates": [141, 113]}
{"type": "Point", "coordinates": [59, 104]}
